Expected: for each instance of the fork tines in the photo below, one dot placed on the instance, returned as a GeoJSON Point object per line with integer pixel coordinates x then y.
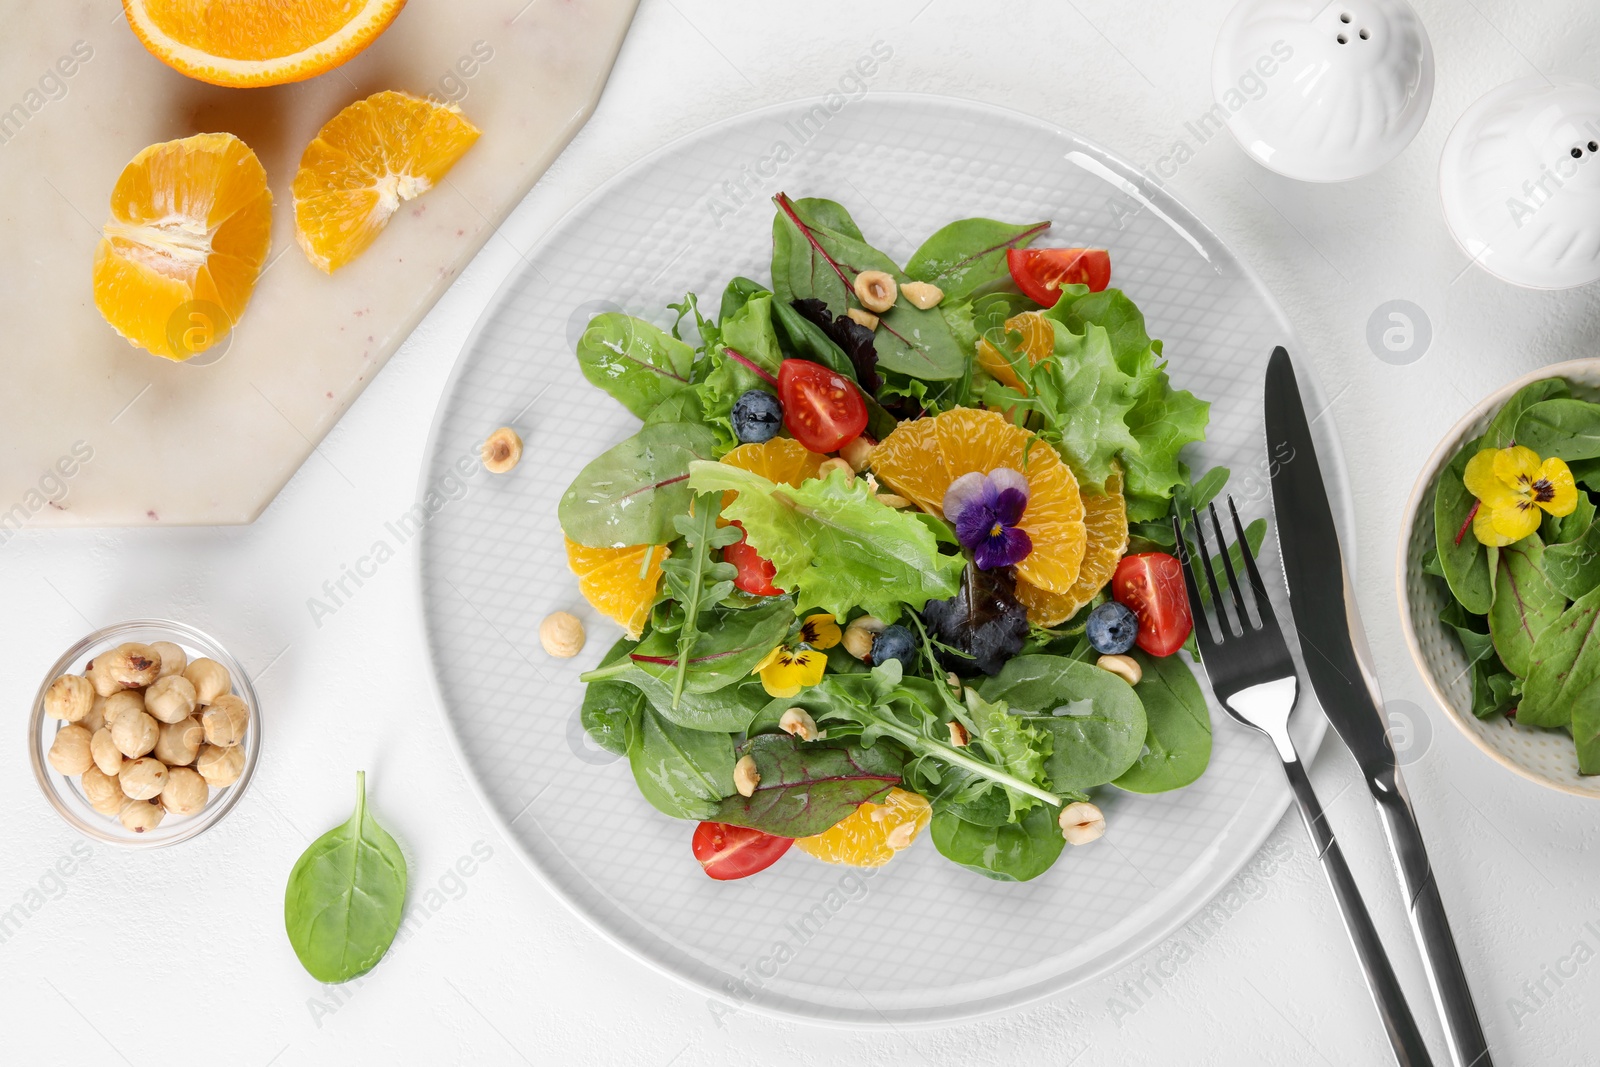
{"type": "Point", "coordinates": [1241, 622]}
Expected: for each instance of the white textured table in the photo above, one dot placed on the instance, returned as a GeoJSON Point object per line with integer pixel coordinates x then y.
{"type": "Point", "coordinates": [179, 957]}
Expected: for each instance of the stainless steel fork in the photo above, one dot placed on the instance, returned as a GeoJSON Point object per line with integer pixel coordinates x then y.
{"type": "Point", "coordinates": [1253, 675]}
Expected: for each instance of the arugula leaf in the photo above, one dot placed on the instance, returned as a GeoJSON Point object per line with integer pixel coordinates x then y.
{"type": "Point", "coordinates": [637, 363]}
{"type": "Point", "coordinates": [629, 494]}
{"type": "Point", "coordinates": [968, 254]}
{"type": "Point", "coordinates": [683, 773]}
{"type": "Point", "coordinates": [1177, 743]}
{"type": "Point", "coordinates": [697, 578]}
{"type": "Point", "coordinates": [806, 788]}
{"type": "Point", "coordinates": [833, 545]}
{"type": "Point", "coordinates": [1014, 852]}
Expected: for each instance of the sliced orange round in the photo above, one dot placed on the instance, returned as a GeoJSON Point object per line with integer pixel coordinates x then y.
{"type": "Point", "coordinates": [921, 458]}
{"type": "Point", "coordinates": [257, 42]}
{"type": "Point", "coordinates": [1038, 341]}
{"type": "Point", "coordinates": [872, 834]}
{"type": "Point", "coordinates": [1105, 520]}
{"type": "Point", "coordinates": [368, 159]}
{"type": "Point", "coordinates": [620, 583]}
{"type": "Point", "coordinates": [190, 226]}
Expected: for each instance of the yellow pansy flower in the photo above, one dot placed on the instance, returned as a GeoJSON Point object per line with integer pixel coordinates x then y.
{"type": "Point", "coordinates": [786, 671]}
{"type": "Point", "coordinates": [1512, 486]}
{"type": "Point", "coordinates": [820, 631]}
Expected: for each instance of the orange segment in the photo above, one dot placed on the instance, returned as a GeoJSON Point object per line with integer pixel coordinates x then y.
{"type": "Point", "coordinates": [1038, 341]}
{"type": "Point", "coordinates": [369, 158]}
{"type": "Point", "coordinates": [872, 834]}
{"type": "Point", "coordinates": [188, 232]}
{"type": "Point", "coordinates": [920, 459]}
{"type": "Point", "coordinates": [1105, 521]}
{"type": "Point", "coordinates": [620, 583]}
{"type": "Point", "coordinates": [257, 42]}
{"type": "Point", "coordinates": [781, 460]}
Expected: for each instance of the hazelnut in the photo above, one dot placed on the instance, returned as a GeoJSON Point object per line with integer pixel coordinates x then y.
{"type": "Point", "coordinates": [876, 290]}
{"type": "Point", "coordinates": [862, 317]}
{"type": "Point", "coordinates": [923, 295]}
{"type": "Point", "coordinates": [561, 634]}
{"type": "Point", "coordinates": [173, 658]}
{"type": "Point", "coordinates": [220, 767]}
{"type": "Point", "coordinates": [745, 776]}
{"type": "Point", "coordinates": [107, 756]}
{"type": "Point", "coordinates": [178, 743]}
{"type": "Point", "coordinates": [226, 720]}
{"type": "Point", "coordinates": [69, 752]}
{"type": "Point", "coordinates": [857, 639]}
{"type": "Point", "coordinates": [98, 677]}
{"type": "Point", "coordinates": [502, 451]}
{"type": "Point", "coordinates": [69, 697]}
{"type": "Point", "coordinates": [103, 791]}
{"type": "Point", "coordinates": [857, 452]}
{"type": "Point", "coordinates": [185, 792]}
{"type": "Point", "coordinates": [170, 699]}
{"type": "Point", "coordinates": [958, 733]}
{"type": "Point", "coordinates": [141, 815]}
{"type": "Point", "coordinates": [134, 734]}
{"type": "Point", "coordinates": [1124, 667]}
{"type": "Point", "coordinates": [132, 665]}
{"type": "Point", "coordinates": [97, 713]}
{"type": "Point", "coordinates": [834, 463]}
{"type": "Point", "coordinates": [120, 703]}
{"type": "Point", "coordinates": [797, 722]}
{"type": "Point", "coordinates": [209, 678]}
{"type": "Point", "coordinates": [1081, 823]}
{"type": "Point", "coordinates": [143, 778]}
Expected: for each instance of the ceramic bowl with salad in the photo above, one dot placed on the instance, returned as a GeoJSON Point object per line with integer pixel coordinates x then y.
{"type": "Point", "coordinates": [1500, 576]}
{"type": "Point", "coordinates": [890, 551]}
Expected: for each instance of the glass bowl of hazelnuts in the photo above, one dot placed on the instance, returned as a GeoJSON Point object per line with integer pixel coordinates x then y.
{"type": "Point", "coordinates": [145, 734]}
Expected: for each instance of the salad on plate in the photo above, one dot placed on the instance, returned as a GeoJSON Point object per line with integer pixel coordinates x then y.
{"type": "Point", "coordinates": [890, 551]}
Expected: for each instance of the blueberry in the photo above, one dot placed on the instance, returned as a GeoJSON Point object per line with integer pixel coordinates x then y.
{"type": "Point", "coordinates": [1112, 628]}
{"type": "Point", "coordinates": [757, 417]}
{"type": "Point", "coordinates": [895, 642]}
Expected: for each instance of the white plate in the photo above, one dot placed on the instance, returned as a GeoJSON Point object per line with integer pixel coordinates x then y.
{"type": "Point", "coordinates": [921, 941]}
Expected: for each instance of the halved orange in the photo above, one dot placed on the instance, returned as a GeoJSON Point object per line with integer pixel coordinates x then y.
{"type": "Point", "coordinates": [370, 157]}
{"type": "Point", "coordinates": [872, 834]}
{"type": "Point", "coordinates": [921, 458]}
{"type": "Point", "coordinates": [189, 229]}
{"type": "Point", "coordinates": [1105, 521]}
{"type": "Point", "coordinates": [1038, 341]}
{"type": "Point", "coordinates": [257, 42]}
{"type": "Point", "coordinates": [620, 583]}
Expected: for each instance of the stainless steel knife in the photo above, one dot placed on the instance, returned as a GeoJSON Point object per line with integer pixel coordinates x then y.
{"type": "Point", "coordinates": [1323, 606]}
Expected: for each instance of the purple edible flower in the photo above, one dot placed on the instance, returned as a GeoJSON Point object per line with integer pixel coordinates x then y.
{"type": "Point", "coordinates": [985, 509]}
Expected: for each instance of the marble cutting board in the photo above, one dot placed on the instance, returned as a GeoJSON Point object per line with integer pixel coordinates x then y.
{"type": "Point", "coordinates": [97, 432]}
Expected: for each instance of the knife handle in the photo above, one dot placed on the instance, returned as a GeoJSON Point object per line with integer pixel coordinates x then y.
{"type": "Point", "coordinates": [1446, 977]}
{"type": "Point", "coordinates": [1404, 1036]}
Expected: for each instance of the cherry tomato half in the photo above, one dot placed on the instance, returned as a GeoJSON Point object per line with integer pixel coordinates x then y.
{"type": "Point", "coordinates": [755, 571]}
{"type": "Point", "coordinates": [728, 852]}
{"type": "Point", "coordinates": [1041, 272]}
{"type": "Point", "coordinates": [1150, 584]}
{"type": "Point", "coordinates": [822, 408]}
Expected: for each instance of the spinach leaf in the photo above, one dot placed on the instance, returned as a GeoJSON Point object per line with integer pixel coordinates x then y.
{"type": "Point", "coordinates": [1095, 719]}
{"type": "Point", "coordinates": [1586, 472]}
{"type": "Point", "coordinates": [731, 643]}
{"type": "Point", "coordinates": [806, 788]}
{"type": "Point", "coordinates": [833, 545]}
{"type": "Point", "coordinates": [1563, 685]}
{"type": "Point", "coordinates": [1468, 566]}
{"type": "Point", "coordinates": [1471, 630]}
{"type": "Point", "coordinates": [1525, 603]}
{"type": "Point", "coordinates": [682, 773]}
{"type": "Point", "coordinates": [611, 709]}
{"type": "Point", "coordinates": [345, 894]}
{"type": "Point", "coordinates": [1177, 746]}
{"type": "Point", "coordinates": [1502, 428]}
{"type": "Point", "coordinates": [635, 362]}
{"type": "Point", "coordinates": [1573, 565]}
{"type": "Point", "coordinates": [682, 406]}
{"type": "Point", "coordinates": [1015, 852]}
{"type": "Point", "coordinates": [1568, 429]}
{"type": "Point", "coordinates": [699, 577]}
{"type": "Point", "coordinates": [1493, 687]}
{"type": "Point", "coordinates": [969, 253]}
{"type": "Point", "coordinates": [630, 494]}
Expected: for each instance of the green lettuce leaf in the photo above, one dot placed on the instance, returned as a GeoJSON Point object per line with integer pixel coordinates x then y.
{"type": "Point", "coordinates": [1019, 747]}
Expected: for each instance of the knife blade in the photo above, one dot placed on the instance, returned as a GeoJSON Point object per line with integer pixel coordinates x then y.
{"type": "Point", "coordinates": [1322, 603]}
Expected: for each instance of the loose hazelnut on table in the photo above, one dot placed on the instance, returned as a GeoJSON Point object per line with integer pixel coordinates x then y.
{"type": "Point", "coordinates": [69, 697]}
{"type": "Point", "coordinates": [103, 791]}
{"type": "Point", "coordinates": [185, 792]}
{"type": "Point", "coordinates": [219, 766]}
{"type": "Point", "coordinates": [143, 778]}
{"type": "Point", "coordinates": [131, 666]}
{"type": "Point", "coordinates": [173, 658]}
{"type": "Point", "coordinates": [178, 743]}
{"type": "Point", "coordinates": [171, 699]}
{"type": "Point", "coordinates": [134, 734]}
{"type": "Point", "coordinates": [226, 720]}
{"type": "Point", "coordinates": [122, 702]}
{"type": "Point", "coordinates": [69, 752]}
{"type": "Point", "coordinates": [209, 678]}
{"type": "Point", "coordinates": [141, 816]}
{"type": "Point", "coordinates": [107, 756]}
{"type": "Point", "coordinates": [561, 634]}
{"type": "Point", "coordinates": [502, 451]}
{"type": "Point", "coordinates": [876, 290]}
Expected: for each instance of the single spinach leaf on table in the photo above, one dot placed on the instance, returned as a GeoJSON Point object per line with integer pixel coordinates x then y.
{"type": "Point", "coordinates": [1502, 431]}
{"type": "Point", "coordinates": [969, 253]}
{"type": "Point", "coordinates": [807, 787]}
{"type": "Point", "coordinates": [1525, 603]}
{"type": "Point", "coordinates": [611, 709]}
{"type": "Point", "coordinates": [1177, 744]}
{"type": "Point", "coordinates": [630, 494]}
{"type": "Point", "coordinates": [345, 894]}
{"type": "Point", "coordinates": [1014, 852]}
{"type": "Point", "coordinates": [1565, 428]}
{"type": "Point", "coordinates": [683, 773]}
{"type": "Point", "coordinates": [1468, 568]}
{"type": "Point", "coordinates": [637, 363]}
{"type": "Point", "coordinates": [698, 578]}
{"type": "Point", "coordinates": [1563, 681]}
